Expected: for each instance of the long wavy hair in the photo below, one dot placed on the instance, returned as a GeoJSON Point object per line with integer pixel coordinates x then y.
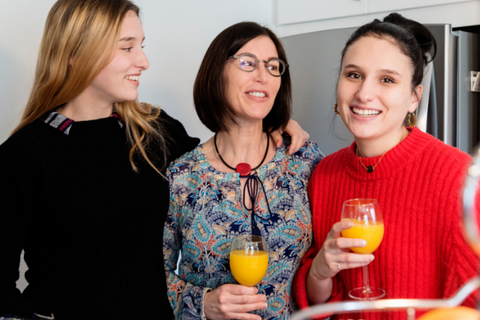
{"type": "Point", "coordinates": [87, 32]}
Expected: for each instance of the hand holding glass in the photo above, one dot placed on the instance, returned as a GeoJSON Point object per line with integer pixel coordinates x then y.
{"type": "Point", "coordinates": [368, 225]}
{"type": "Point", "coordinates": [249, 259]}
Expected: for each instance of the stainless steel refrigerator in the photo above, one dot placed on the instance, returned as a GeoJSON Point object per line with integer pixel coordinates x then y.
{"type": "Point", "coordinates": [448, 109]}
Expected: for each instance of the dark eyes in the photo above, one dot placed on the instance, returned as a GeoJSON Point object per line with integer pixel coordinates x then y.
{"type": "Point", "coordinates": [354, 75]}
{"type": "Point", "coordinates": [273, 67]}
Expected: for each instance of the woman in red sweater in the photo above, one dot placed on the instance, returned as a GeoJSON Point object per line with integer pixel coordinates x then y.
{"type": "Point", "coordinates": [415, 178]}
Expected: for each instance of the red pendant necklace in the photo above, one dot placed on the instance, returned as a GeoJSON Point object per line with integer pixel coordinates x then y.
{"type": "Point", "coordinates": [244, 169]}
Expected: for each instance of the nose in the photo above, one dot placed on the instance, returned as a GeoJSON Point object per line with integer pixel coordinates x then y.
{"type": "Point", "coordinates": [142, 61]}
{"type": "Point", "coordinates": [366, 91]}
{"type": "Point", "coordinates": [261, 73]}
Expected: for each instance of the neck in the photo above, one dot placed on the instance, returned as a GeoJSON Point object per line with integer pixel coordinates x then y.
{"type": "Point", "coordinates": [368, 148]}
{"type": "Point", "coordinates": [242, 145]}
{"type": "Point", "coordinates": [83, 109]}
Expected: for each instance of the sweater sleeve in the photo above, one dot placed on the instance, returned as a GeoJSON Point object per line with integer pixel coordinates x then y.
{"type": "Point", "coordinates": [14, 224]}
{"type": "Point", "coordinates": [179, 141]}
{"type": "Point", "coordinates": [186, 299]}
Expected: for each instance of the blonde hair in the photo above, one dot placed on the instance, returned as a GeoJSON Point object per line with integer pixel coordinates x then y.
{"type": "Point", "coordinates": [87, 32]}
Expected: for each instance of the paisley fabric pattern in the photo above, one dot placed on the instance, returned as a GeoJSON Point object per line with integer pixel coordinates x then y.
{"type": "Point", "coordinates": [206, 213]}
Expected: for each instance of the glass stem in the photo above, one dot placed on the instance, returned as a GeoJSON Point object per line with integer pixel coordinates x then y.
{"type": "Point", "coordinates": [366, 280]}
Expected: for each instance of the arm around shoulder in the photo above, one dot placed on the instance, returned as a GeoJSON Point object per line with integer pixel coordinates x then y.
{"type": "Point", "coordinates": [178, 140]}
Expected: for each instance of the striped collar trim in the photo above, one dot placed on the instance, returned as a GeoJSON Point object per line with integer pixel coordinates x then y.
{"type": "Point", "coordinates": [64, 124]}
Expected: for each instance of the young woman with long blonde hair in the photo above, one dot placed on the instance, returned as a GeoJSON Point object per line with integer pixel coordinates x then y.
{"type": "Point", "coordinates": [81, 177]}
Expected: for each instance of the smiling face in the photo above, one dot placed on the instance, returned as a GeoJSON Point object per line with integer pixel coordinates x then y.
{"type": "Point", "coordinates": [374, 91]}
{"type": "Point", "coordinates": [119, 80]}
{"type": "Point", "coordinates": [251, 94]}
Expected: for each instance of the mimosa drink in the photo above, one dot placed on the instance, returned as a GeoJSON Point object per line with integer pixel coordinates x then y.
{"type": "Point", "coordinates": [366, 217]}
{"type": "Point", "coordinates": [371, 232]}
{"type": "Point", "coordinates": [248, 268]}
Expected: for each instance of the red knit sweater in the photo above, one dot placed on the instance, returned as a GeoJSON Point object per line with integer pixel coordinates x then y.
{"type": "Point", "coordinates": [423, 254]}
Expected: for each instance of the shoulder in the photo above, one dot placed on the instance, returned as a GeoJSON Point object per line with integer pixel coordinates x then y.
{"type": "Point", "coordinates": [442, 156]}
{"type": "Point", "coordinates": [309, 152]}
{"type": "Point", "coordinates": [331, 164]}
{"type": "Point", "coordinates": [177, 137]}
{"type": "Point", "coordinates": [336, 157]}
{"type": "Point", "coordinates": [168, 122]}
{"type": "Point", "coordinates": [186, 173]}
{"type": "Point", "coordinates": [24, 153]}
{"type": "Point", "coordinates": [185, 164]}
{"type": "Point", "coordinates": [29, 138]}
{"type": "Point", "coordinates": [305, 159]}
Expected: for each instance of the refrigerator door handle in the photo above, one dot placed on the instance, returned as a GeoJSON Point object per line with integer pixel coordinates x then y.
{"type": "Point", "coordinates": [422, 109]}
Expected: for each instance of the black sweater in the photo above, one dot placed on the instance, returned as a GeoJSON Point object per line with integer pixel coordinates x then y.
{"type": "Point", "coordinates": [91, 228]}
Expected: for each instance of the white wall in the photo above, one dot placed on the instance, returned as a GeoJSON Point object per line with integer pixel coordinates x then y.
{"type": "Point", "coordinates": [177, 36]}
{"type": "Point", "coordinates": [457, 14]}
{"type": "Point", "coordinates": [21, 22]}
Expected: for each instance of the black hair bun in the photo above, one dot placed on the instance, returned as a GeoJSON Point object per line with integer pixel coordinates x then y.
{"type": "Point", "coordinates": [423, 36]}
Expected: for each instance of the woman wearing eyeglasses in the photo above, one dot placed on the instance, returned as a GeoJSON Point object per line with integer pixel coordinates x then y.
{"type": "Point", "coordinates": [82, 187]}
{"type": "Point", "coordinates": [242, 91]}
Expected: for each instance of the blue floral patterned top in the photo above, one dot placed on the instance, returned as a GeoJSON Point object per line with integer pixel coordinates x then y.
{"type": "Point", "coordinates": [206, 213]}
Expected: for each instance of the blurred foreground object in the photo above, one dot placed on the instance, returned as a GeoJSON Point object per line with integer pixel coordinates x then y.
{"type": "Point", "coordinates": [470, 208]}
{"type": "Point", "coordinates": [457, 313]}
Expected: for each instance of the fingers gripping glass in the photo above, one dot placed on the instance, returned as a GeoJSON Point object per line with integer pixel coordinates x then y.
{"type": "Point", "coordinates": [249, 62]}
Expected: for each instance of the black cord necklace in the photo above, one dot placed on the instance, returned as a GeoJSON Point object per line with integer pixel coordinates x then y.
{"type": "Point", "coordinates": [251, 186]}
{"type": "Point", "coordinates": [244, 169]}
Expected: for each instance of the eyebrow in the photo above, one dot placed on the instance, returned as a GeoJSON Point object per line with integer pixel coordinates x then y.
{"type": "Point", "coordinates": [255, 55]}
{"type": "Point", "coordinates": [353, 66]}
{"type": "Point", "coordinates": [130, 39]}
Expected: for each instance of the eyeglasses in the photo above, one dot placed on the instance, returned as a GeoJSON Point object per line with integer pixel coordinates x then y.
{"type": "Point", "coordinates": [249, 62]}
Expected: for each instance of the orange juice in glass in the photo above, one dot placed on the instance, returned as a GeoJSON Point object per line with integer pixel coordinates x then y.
{"type": "Point", "coordinates": [249, 259]}
{"type": "Point", "coordinates": [368, 225]}
{"type": "Point", "coordinates": [367, 230]}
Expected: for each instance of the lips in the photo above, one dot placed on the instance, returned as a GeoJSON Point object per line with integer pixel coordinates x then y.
{"type": "Point", "coordinates": [365, 113]}
{"type": "Point", "coordinates": [259, 94]}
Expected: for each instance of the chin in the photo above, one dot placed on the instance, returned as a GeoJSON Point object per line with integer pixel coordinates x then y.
{"type": "Point", "coordinates": [363, 133]}
{"type": "Point", "coordinates": [129, 98]}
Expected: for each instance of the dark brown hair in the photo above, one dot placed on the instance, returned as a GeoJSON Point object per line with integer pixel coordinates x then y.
{"type": "Point", "coordinates": [413, 39]}
{"type": "Point", "coordinates": [209, 90]}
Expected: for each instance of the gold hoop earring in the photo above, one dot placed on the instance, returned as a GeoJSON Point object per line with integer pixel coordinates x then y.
{"type": "Point", "coordinates": [409, 119]}
{"type": "Point", "coordinates": [335, 109]}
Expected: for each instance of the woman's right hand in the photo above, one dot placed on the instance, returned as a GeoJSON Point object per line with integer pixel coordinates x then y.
{"type": "Point", "coordinates": [233, 301]}
{"type": "Point", "coordinates": [335, 253]}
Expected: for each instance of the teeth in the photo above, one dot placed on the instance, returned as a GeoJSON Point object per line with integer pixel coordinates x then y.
{"type": "Point", "coordinates": [134, 78]}
{"type": "Point", "coordinates": [365, 113]}
{"type": "Point", "coordinates": [257, 94]}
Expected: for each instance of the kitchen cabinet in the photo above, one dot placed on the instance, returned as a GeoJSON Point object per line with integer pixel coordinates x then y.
{"type": "Point", "coordinates": [375, 6]}
{"type": "Point", "coordinates": [299, 11]}
{"type": "Point", "coordinates": [296, 11]}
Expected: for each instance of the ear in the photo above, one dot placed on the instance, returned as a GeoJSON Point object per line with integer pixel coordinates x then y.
{"type": "Point", "coordinates": [416, 96]}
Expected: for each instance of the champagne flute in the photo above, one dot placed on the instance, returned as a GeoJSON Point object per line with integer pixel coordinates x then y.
{"type": "Point", "coordinates": [367, 225]}
{"type": "Point", "coordinates": [249, 259]}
